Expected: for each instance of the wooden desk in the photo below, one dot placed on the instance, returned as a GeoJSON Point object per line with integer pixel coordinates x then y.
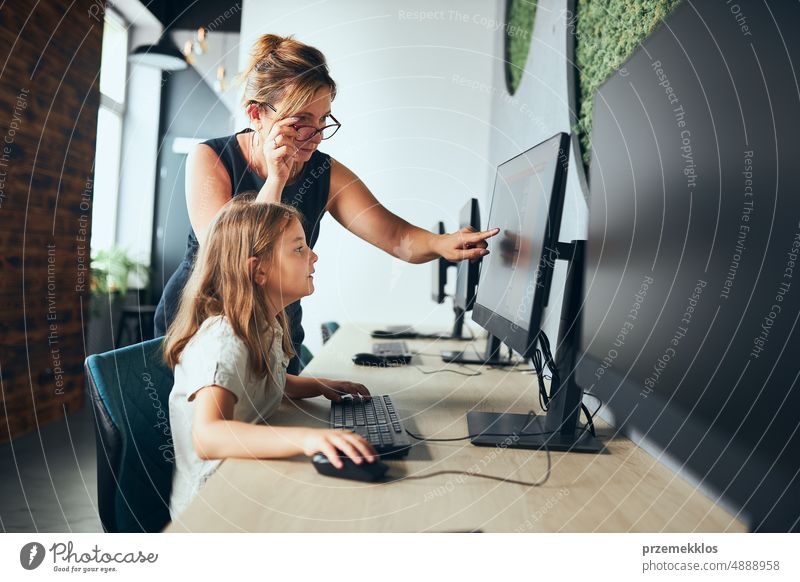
{"type": "Point", "coordinates": [626, 490]}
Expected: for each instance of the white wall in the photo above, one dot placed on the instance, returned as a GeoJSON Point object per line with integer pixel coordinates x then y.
{"type": "Point", "coordinates": [412, 131]}
{"type": "Point", "coordinates": [136, 202]}
{"type": "Point", "coordinates": [538, 110]}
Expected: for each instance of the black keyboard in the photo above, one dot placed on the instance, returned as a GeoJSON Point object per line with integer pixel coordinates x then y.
{"type": "Point", "coordinates": [392, 350]}
{"type": "Point", "coordinates": [376, 420]}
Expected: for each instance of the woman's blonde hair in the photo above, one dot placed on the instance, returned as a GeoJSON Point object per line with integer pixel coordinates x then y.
{"type": "Point", "coordinates": [221, 282]}
{"type": "Point", "coordinates": [286, 71]}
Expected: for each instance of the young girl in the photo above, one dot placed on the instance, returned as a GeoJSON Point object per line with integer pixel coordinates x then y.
{"type": "Point", "coordinates": [229, 347]}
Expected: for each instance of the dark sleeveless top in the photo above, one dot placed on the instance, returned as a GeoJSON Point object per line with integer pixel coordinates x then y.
{"type": "Point", "coordinates": [308, 193]}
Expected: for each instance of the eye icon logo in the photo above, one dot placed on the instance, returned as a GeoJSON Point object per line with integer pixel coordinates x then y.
{"type": "Point", "coordinates": [31, 555]}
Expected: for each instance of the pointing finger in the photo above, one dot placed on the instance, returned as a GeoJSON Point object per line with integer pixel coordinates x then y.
{"type": "Point", "coordinates": [479, 236]}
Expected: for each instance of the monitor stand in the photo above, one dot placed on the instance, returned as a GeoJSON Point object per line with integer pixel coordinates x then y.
{"type": "Point", "coordinates": [458, 324]}
{"type": "Point", "coordinates": [560, 423]}
{"type": "Point", "coordinates": [458, 329]}
{"type": "Point", "coordinates": [493, 356]}
{"type": "Point", "coordinates": [526, 431]}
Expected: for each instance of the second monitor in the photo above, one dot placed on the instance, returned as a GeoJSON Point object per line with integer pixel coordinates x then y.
{"type": "Point", "coordinates": [466, 286]}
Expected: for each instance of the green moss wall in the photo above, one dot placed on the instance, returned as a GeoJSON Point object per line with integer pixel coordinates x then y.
{"type": "Point", "coordinates": [519, 30]}
{"type": "Point", "coordinates": [607, 32]}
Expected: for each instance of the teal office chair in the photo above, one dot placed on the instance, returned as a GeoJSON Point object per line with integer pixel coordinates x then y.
{"type": "Point", "coordinates": [305, 356]}
{"type": "Point", "coordinates": [328, 329]}
{"type": "Point", "coordinates": [129, 390]}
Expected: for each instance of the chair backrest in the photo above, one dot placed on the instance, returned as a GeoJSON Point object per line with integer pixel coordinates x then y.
{"type": "Point", "coordinates": [130, 388]}
{"type": "Point", "coordinates": [328, 329]}
{"type": "Point", "coordinates": [305, 356]}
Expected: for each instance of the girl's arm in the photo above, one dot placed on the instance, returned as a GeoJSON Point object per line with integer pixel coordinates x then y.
{"type": "Point", "coordinates": [216, 436]}
{"type": "Point", "coordinates": [307, 387]}
{"type": "Point", "coordinates": [352, 204]}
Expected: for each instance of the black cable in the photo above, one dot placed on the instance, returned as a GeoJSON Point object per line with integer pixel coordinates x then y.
{"type": "Point", "coordinates": [493, 477]}
{"type": "Point", "coordinates": [590, 417]}
{"type": "Point", "coordinates": [447, 370]}
{"type": "Point", "coordinates": [543, 356]}
{"type": "Point", "coordinates": [589, 420]}
{"type": "Point", "coordinates": [531, 414]}
{"type": "Point", "coordinates": [544, 398]}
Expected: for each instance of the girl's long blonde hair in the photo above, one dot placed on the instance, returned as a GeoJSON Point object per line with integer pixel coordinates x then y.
{"type": "Point", "coordinates": [221, 282]}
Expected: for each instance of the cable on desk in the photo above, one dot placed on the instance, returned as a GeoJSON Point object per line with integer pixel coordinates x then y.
{"type": "Point", "coordinates": [447, 370]}
{"type": "Point", "coordinates": [512, 368]}
{"type": "Point", "coordinates": [531, 414]}
{"type": "Point", "coordinates": [493, 477]}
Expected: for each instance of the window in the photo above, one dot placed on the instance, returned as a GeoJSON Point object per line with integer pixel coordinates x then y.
{"type": "Point", "coordinates": [113, 72]}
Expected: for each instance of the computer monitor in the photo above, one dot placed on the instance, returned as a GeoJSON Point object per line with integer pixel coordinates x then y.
{"type": "Point", "coordinates": [690, 322]}
{"type": "Point", "coordinates": [466, 280]}
{"type": "Point", "coordinates": [464, 300]}
{"type": "Point", "coordinates": [513, 289]}
{"type": "Point", "coordinates": [439, 270]}
{"type": "Point", "coordinates": [467, 272]}
{"type": "Point", "coordinates": [515, 276]}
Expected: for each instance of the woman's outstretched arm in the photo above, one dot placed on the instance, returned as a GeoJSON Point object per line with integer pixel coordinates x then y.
{"type": "Point", "coordinates": [208, 188]}
{"type": "Point", "coordinates": [352, 204]}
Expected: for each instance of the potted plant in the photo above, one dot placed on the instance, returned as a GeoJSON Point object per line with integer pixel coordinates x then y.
{"type": "Point", "coordinates": [111, 273]}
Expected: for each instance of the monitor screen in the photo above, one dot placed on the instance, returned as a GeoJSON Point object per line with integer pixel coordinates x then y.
{"type": "Point", "coordinates": [467, 271]}
{"type": "Point", "coordinates": [690, 317]}
{"type": "Point", "coordinates": [515, 275]}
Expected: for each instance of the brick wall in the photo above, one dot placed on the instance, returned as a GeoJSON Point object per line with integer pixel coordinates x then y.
{"type": "Point", "coordinates": [49, 95]}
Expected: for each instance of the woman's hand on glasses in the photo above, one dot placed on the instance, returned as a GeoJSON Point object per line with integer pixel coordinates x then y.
{"type": "Point", "coordinates": [280, 149]}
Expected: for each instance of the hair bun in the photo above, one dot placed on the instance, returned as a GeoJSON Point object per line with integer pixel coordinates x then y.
{"type": "Point", "coordinates": [281, 68]}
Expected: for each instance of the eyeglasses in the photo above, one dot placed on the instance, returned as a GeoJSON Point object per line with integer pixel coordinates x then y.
{"type": "Point", "coordinates": [306, 132]}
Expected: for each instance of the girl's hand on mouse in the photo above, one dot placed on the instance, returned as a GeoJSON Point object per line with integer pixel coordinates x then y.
{"type": "Point", "coordinates": [335, 389]}
{"type": "Point", "coordinates": [330, 442]}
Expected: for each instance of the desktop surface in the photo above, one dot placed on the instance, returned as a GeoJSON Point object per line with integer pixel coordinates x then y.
{"type": "Point", "coordinates": [626, 490]}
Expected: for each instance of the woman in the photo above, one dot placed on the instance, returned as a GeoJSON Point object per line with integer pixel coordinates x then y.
{"type": "Point", "coordinates": [287, 97]}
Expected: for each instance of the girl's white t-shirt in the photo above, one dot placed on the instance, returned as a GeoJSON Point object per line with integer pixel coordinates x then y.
{"type": "Point", "coordinates": [215, 355]}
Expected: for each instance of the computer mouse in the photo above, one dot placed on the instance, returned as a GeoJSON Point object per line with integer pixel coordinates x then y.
{"type": "Point", "coordinates": [366, 471]}
{"type": "Point", "coordinates": [367, 359]}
